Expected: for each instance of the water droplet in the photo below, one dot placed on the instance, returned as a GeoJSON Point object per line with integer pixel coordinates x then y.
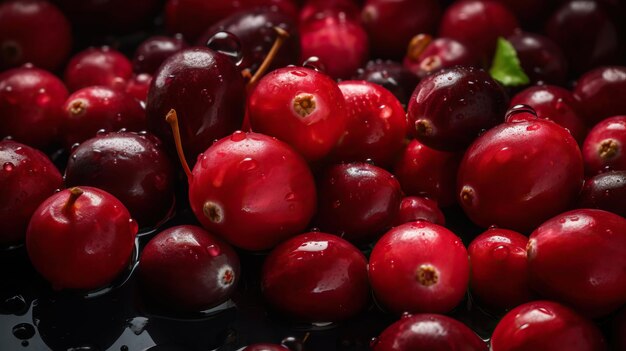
{"type": "Point", "coordinates": [238, 136]}
{"type": "Point", "coordinates": [123, 348]}
{"type": "Point", "coordinates": [336, 204]}
{"type": "Point", "coordinates": [14, 304]}
{"type": "Point", "coordinates": [24, 331]}
{"type": "Point", "coordinates": [299, 73]}
{"type": "Point", "coordinates": [101, 132]}
{"type": "Point", "coordinates": [137, 325]}
{"type": "Point", "coordinates": [134, 227]}
{"type": "Point", "coordinates": [374, 342]}
{"type": "Point", "coordinates": [248, 164]}
{"type": "Point", "coordinates": [533, 127]}
{"type": "Point", "coordinates": [74, 146]}
{"type": "Point", "coordinates": [290, 196]}
{"type": "Point", "coordinates": [8, 166]}
{"type": "Point", "coordinates": [213, 250]}
{"type": "Point", "coordinates": [500, 252]}
{"type": "Point", "coordinates": [406, 315]}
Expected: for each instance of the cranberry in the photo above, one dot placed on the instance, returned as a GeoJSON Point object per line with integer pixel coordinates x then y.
{"type": "Point", "coordinates": [376, 124]}
{"type": "Point", "coordinates": [408, 272]}
{"type": "Point", "coordinates": [33, 31]}
{"type": "Point", "coordinates": [606, 191]}
{"type": "Point", "coordinates": [585, 33]}
{"type": "Point", "coordinates": [499, 271]}
{"type": "Point", "coordinates": [603, 148]}
{"type": "Point", "coordinates": [509, 178]}
{"type": "Point", "coordinates": [600, 92]}
{"type": "Point", "coordinates": [316, 277]}
{"type": "Point", "coordinates": [27, 177]}
{"type": "Point", "coordinates": [432, 332]}
{"type": "Point", "coordinates": [423, 171]}
{"type": "Point", "coordinates": [413, 208]}
{"type": "Point", "coordinates": [544, 326]}
{"type": "Point", "coordinates": [321, 8]}
{"type": "Point", "coordinates": [31, 97]}
{"type": "Point", "coordinates": [426, 55]}
{"type": "Point", "coordinates": [80, 238]}
{"type": "Point", "coordinates": [541, 59]}
{"type": "Point", "coordinates": [392, 76]}
{"type": "Point", "coordinates": [478, 24]}
{"type": "Point", "coordinates": [554, 103]}
{"type": "Point", "coordinates": [300, 106]}
{"type": "Point", "coordinates": [579, 258]}
{"type": "Point", "coordinates": [451, 107]}
{"type": "Point", "coordinates": [151, 53]}
{"type": "Point", "coordinates": [357, 201]}
{"type": "Point", "coordinates": [210, 266]}
{"type": "Point", "coordinates": [392, 23]}
{"type": "Point", "coordinates": [208, 92]}
{"type": "Point", "coordinates": [91, 109]}
{"type": "Point", "coordinates": [98, 66]}
{"type": "Point", "coordinates": [132, 167]}
{"type": "Point", "coordinates": [138, 86]}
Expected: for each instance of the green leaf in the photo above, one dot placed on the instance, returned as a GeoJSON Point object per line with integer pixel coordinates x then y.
{"type": "Point", "coordinates": [505, 67]}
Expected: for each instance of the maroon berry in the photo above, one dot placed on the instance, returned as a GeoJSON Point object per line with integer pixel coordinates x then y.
{"type": "Point", "coordinates": [432, 332]}
{"type": "Point", "coordinates": [541, 59]}
{"type": "Point", "coordinates": [545, 326]}
{"type": "Point", "coordinates": [519, 174]}
{"type": "Point", "coordinates": [603, 149]}
{"type": "Point", "coordinates": [27, 178]}
{"type": "Point", "coordinates": [265, 347]}
{"type": "Point", "coordinates": [392, 76]}
{"type": "Point", "coordinates": [316, 277]}
{"type": "Point", "coordinates": [600, 92]}
{"type": "Point", "coordinates": [98, 66]}
{"type": "Point", "coordinates": [80, 238]}
{"type": "Point", "coordinates": [408, 272]}
{"type": "Point", "coordinates": [138, 86]}
{"type": "Point", "coordinates": [151, 53]}
{"type": "Point", "coordinates": [606, 191]}
{"type": "Point", "coordinates": [31, 97]}
{"type": "Point", "coordinates": [210, 266]}
{"type": "Point", "coordinates": [413, 208]}
{"type": "Point", "coordinates": [426, 55]}
{"type": "Point", "coordinates": [451, 107]}
{"type": "Point", "coordinates": [322, 8]}
{"type": "Point", "coordinates": [579, 258]}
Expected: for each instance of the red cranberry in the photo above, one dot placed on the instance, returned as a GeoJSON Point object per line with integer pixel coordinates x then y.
{"type": "Point", "coordinates": [210, 266]}
{"type": "Point", "coordinates": [300, 106]}
{"type": "Point", "coordinates": [606, 191]}
{"type": "Point", "coordinates": [425, 56]}
{"type": "Point", "coordinates": [392, 23]}
{"type": "Point", "coordinates": [432, 332]}
{"type": "Point", "coordinates": [33, 31]}
{"type": "Point", "coordinates": [554, 103]}
{"type": "Point", "coordinates": [427, 172]}
{"type": "Point", "coordinates": [579, 258]}
{"type": "Point", "coordinates": [541, 59]}
{"type": "Point", "coordinates": [151, 53]}
{"type": "Point", "coordinates": [27, 178]}
{"type": "Point", "coordinates": [603, 148]}
{"type": "Point", "coordinates": [321, 8]}
{"type": "Point", "coordinates": [376, 124]}
{"type": "Point", "coordinates": [392, 76]}
{"type": "Point", "coordinates": [132, 167]}
{"type": "Point", "coordinates": [413, 208]}
{"type": "Point", "coordinates": [545, 326]}
{"type": "Point", "coordinates": [499, 271]}
{"type": "Point", "coordinates": [31, 97]}
{"type": "Point", "coordinates": [357, 201]}
{"type": "Point", "coordinates": [451, 107]}
{"type": "Point", "coordinates": [600, 92]}
{"type": "Point", "coordinates": [316, 277]}
{"type": "Point", "coordinates": [478, 24]}
{"type": "Point", "coordinates": [138, 86]}
{"type": "Point", "coordinates": [91, 109]}
{"type": "Point", "coordinates": [408, 273]}
{"type": "Point", "coordinates": [517, 175]}
{"type": "Point", "coordinates": [80, 238]}
{"type": "Point", "coordinates": [98, 66]}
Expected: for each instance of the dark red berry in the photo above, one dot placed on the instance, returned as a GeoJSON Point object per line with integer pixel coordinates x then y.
{"type": "Point", "coordinates": [606, 191]}
{"type": "Point", "coordinates": [604, 147]}
{"type": "Point", "coordinates": [600, 92]}
{"type": "Point", "coordinates": [426, 55]}
{"type": "Point", "coordinates": [138, 86]}
{"type": "Point", "coordinates": [392, 76]}
{"type": "Point", "coordinates": [265, 347]}
{"type": "Point", "coordinates": [349, 9]}
{"type": "Point", "coordinates": [541, 59]}
{"type": "Point", "coordinates": [413, 208]}
{"type": "Point", "coordinates": [151, 53]}
{"type": "Point", "coordinates": [98, 66]}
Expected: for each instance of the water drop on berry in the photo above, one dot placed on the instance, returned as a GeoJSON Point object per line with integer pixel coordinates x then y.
{"type": "Point", "coordinates": [8, 166]}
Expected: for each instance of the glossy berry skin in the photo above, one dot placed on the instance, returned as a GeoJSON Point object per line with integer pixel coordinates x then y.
{"type": "Point", "coordinates": [391, 24]}
{"type": "Point", "coordinates": [30, 97]}
{"type": "Point", "coordinates": [478, 24]}
{"type": "Point", "coordinates": [301, 107]}
{"type": "Point", "coordinates": [413, 208]}
{"type": "Point", "coordinates": [27, 178]}
{"type": "Point", "coordinates": [132, 167]}
{"type": "Point", "coordinates": [541, 59]}
{"type": "Point", "coordinates": [409, 274]}
{"type": "Point", "coordinates": [299, 278]}
{"type": "Point", "coordinates": [440, 53]}
{"type": "Point", "coordinates": [603, 149]}
{"type": "Point", "coordinates": [252, 190]}
{"type": "Point", "coordinates": [138, 86]}
{"type": "Point", "coordinates": [98, 66]}
{"type": "Point", "coordinates": [33, 31]}
{"type": "Point", "coordinates": [376, 124]}
{"type": "Point", "coordinates": [392, 76]}
{"type": "Point", "coordinates": [600, 93]}
{"type": "Point", "coordinates": [357, 201]}
{"type": "Point", "coordinates": [508, 179]}
{"type": "Point", "coordinates": [206, 90]}
{"type": "Point", "coordinates": [151, 53]}
{"type": "Point", "coordinates": [350, 9]}
{"type": "Point", "coordinates": [605, 191]}
{"type": "Point", "coordinates": [545, 326]}
{"type": "Point", "coordinates": [579, 258]}
{"type": "Point", "coordinates": [211, 269]}
{"type": "Point", "coordinates": [427, 172]}
{"type": "Point", "coordinates": [265, 347]}
{"type": "Point", "coordinates": [90, 109]}
{"type": "Point", "coordinates": [499, 271]}
{"type": "Point", "coordinates": [433, 332]}
{"type": "Point", "coordinates": [553, 103]}
{"type": "Point", "coordinates": [84, 245]}
{"type": "Point", "coordinates": [451, 107]}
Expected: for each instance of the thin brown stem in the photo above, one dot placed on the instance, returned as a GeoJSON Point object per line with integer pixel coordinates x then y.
{"type": "Point", "coordinates": [75, 193]}
{"type": "Point", "coordinates": [172, 119]}
{"type": "Point", "coordinates": [280, 39]}
{"type": "Point", "coordinates": [417, 46]}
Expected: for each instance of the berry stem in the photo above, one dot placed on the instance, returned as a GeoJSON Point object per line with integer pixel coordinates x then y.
{"type": "Point", "coordinates": [280, 39]}
{"type": "Point", "coordinates": [172, 119]}
{"type": "Point", "coordinates": [75, 193]}
{"type": "Point", "coordinates": [417, 46]}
